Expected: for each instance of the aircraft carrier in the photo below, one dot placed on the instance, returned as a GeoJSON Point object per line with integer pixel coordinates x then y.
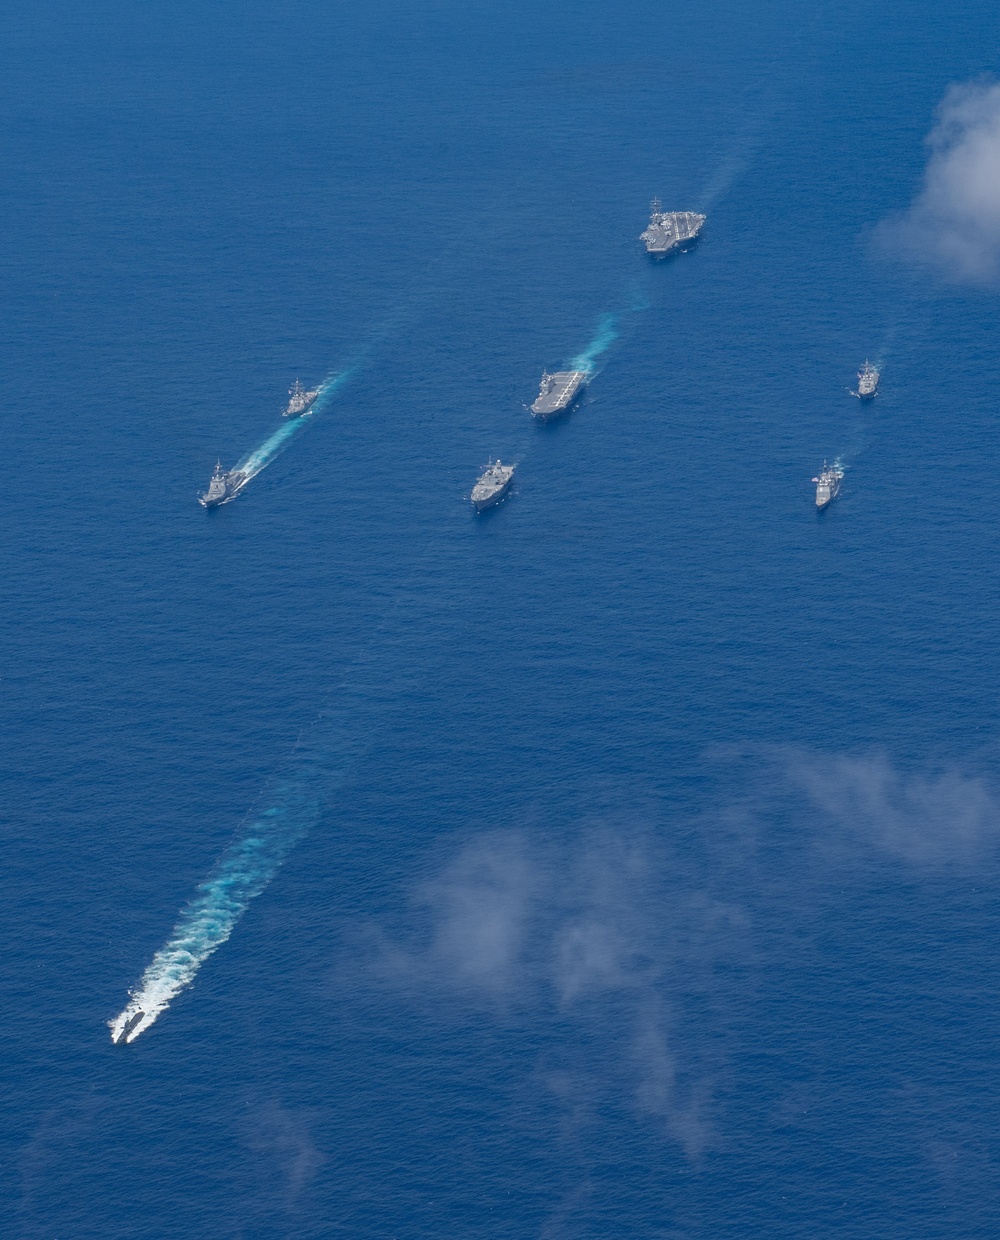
{"type": "Point", "coordinates": [224, 486]}
{"type": "Point", "coordinates": [493, 484]}
{"type": "Point", "coordinates": [669, 230]}
{"type": "Point", "coordinates": [828, 484]}
{"type": "Point", "coordinates": [558, 391]}
{"type": "Point", "coordinates": [868, 378]}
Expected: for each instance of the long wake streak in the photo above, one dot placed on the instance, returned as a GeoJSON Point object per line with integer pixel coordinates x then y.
{"type": "Point", "coordinates": [604, 338]}
{"type": "Point", "coordinates": [250, 861]}
{"type": "Point", "coordinates": [262, 456]}
{"type": "Point", "coordinates": [242, 872]}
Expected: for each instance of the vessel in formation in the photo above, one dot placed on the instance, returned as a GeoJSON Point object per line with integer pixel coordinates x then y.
{"type": "Point", "coordinates": [127, 1028]}
{"type": "Point", "coordinates": [224, 485]}
{"type": "Point", "coordinates": [558, 391]}
{"type": "Point", "coordinates": [868, 378]}
{"type": "Point", "coordinates": [828, 484]}
{"type": "Point", "coordinates": [299, 400]}
{"type": "Point", "coordinates": [670, 230]}
{"type": "Point", "coordinates": [492, 485]}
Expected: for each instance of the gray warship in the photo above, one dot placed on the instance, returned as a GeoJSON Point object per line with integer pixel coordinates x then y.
{"type": "Point", "coordinates": [669, 230]}
{"type": "Point", "coordinates": [299, 400]}
{"type": "Point", "coordinates": [224, 486]}
{"type": "Point", "coordinates": [493, 484]}
{"type": "Point", "coordinates": [868, 378]}
{"type": "Point", "coordinates": [127, 1028]}
{"type": "Point", "coordinates": [828, 484]}
{"type": "Point", "coordinates": [558, 391]}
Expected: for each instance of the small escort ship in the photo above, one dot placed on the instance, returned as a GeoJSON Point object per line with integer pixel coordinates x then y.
{"type": "Point", "coordinates": [828, 484]}
{"type": "Point", "coordinates": [299, 400]}
{"type": "Point", "coordinates": [493, 484]}
{"type": "Point", "coordinates": [558, 391]}
{"type": "Point", "coordinates": [868, 378]}
{"type": "Point", "coordinates": [224, 486]}
{"type": "Point", "coordinates": [670, 230]}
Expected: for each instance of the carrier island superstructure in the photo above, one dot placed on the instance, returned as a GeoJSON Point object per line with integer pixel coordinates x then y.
{"type": "Point", "coordinates": [670, 230]}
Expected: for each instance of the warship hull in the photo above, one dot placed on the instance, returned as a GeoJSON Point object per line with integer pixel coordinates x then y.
{"type": "Point", "coordinates": [558, 392]}
{"type": "Point", "coordinates": [671, 232]}
{"type": "Point", "coordinates": [868, 378]}
{"type": "Point", "coordinates": [492, 486]}
{"type": "Point", "coordinates": [301, 409]}
{"type": "Point", "coordinates": [828, 486]}
{"type": "Point", "coordinates": [126, 1030]}
{"type": "Point", "coordinates": [481, 503]}
{"type": "Point", "coordinates": [234, 485]}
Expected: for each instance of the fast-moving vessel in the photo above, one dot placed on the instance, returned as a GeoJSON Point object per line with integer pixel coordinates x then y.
{"type": "Point", "coordinates": [224, 486]}
{"type": "Point", "coordinates": [493, 484]}
{"type": "Point", "coordinates": [669, 230]}
{"type": "Point", "coordinates": [868, 378]}
{"type": "Point", "coordinates": [828, 484]}
{"type": "Point", "coordinates": [299, 400]}
{"type": "Point", "coordinates": [558, 391]}
{"type": "Point", "coordinates": [127, 1028]}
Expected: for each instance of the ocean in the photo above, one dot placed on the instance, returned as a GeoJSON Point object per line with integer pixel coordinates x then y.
{"type": "Point", "coordinates": [622, 862]}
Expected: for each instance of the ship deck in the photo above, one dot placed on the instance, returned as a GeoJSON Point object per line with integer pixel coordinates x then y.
{"type": "Point", "coordinates": [566, 384]}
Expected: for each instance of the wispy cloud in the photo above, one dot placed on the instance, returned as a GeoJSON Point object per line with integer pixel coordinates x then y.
{"type": "Point", "coordinates": [954, 222]}
{"type": "Point", "coordinates": [603, 935]}
{"type": "Point", "coordinates": [289, 1158]}
{"type": "Point", "coordinates": [945, 819]}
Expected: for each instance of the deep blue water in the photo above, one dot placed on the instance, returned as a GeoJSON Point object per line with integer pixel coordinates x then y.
{"type": "Point", "coordinates": [648, 873]}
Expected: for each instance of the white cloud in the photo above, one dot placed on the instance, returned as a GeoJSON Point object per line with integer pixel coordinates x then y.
{"type": "Point", "coordinates": [604, 935]}
{"type": "Point", "coordinates": [954, 222]}
{"type": "Point", "coordinates": [930, 820]}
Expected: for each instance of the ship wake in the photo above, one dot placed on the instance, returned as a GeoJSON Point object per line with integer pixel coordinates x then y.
{"type": "Point", "coordinates": [242, 872]}
{"type": "Point", "coordinates": [604, 338]}
{"type": "Point", "coordinates": [275, 444]}
{"type": "Point", "coordinates": [326, 754]}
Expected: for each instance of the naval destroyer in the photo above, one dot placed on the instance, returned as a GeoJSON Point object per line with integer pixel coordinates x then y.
{"type": "Point", "coordinates": [828, 484]}
{"type": "Point", "coordinates": [868, 378]}
{"type": "Point", "coordinates": [224, 486]}
{"type": "Point", "coordinates": [299, 400]}
{"type": "Point", "coordinates": [558, 391]}
{"type": "Point", "coordinates": [493, 484]}
{"type": "Point", "coordinates": [669, 230]}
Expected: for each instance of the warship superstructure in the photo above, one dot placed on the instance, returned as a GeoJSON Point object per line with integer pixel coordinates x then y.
{"type": "Point", "coordinates": [493, 484]}
{"type": "Point", "coordinates": [828, 484]}
{"type": "Point", "coordinates": [558, 391]}
{"type": "Point", "coordinates": [669, 230]}
{"type": "Point", "coordinates": [299, 400]}
{"type": "Point", "coordinates": [868, 378]}
{"type": "Point", "coordinates": [224, 486]}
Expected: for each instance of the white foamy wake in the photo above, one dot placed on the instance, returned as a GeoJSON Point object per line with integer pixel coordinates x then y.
{"type": "Point", "coordinates": [261, 457]}
{"type": "Point", "coordinates": [242, 872]}
{"type": "Point", "coordinates": [607, 334]}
